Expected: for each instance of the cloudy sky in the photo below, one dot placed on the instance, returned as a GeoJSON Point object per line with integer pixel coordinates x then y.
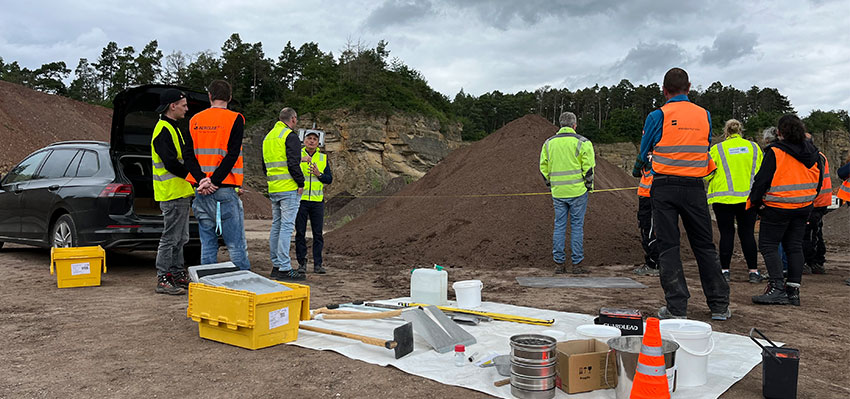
{"type": "Point", "coordinates": [801, 47]}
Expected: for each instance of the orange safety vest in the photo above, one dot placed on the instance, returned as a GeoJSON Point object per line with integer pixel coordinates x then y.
{"type": "Point", "coordinates": [210, 131]}
{"type": "Point", "coordinates": [645, 183]}
{"type": "Point", "coordinates": [793, 186]}
{"type": "Point", "coordinates": [683, 148]}
{"type": "Point", "coordinates": [844, 191]}
{"type": "Point", "coordinates": [824, 198]}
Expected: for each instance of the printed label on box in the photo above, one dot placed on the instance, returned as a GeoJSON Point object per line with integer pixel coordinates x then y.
{"type": "Point", "coordinates": [278, 318]}
{"type": "Point", "coordinates": [80, 268]}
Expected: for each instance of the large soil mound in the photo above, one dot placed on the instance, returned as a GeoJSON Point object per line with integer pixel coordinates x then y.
{"type": "Point", "coordinates": [428, 223]}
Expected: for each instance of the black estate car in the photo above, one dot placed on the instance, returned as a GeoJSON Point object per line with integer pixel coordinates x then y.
{"type": "Point", "coordinates": [80, 193]}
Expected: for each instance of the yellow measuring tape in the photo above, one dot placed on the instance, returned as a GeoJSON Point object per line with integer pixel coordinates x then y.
{"type": "Point", "coordinates": [476, 195]}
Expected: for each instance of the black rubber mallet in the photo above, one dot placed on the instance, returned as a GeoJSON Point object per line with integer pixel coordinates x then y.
{"type": "Point", "coordinates": [401, 344]}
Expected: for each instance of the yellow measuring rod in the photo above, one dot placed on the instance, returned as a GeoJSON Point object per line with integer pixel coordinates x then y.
{"type": "Point", "coordinates": [494, 316]}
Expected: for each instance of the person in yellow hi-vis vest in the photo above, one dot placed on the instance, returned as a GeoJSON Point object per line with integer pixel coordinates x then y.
{"type": "Point", "coordinates": [738, 160]}
{"type": "Point", "coordinates": [566, 163]}
{"type": "Point", "coordinates": [173, 161]}
{"type": "Point", "coordinates": [281, 162]}
{"type": "Point", "coordinates": [317, 174]}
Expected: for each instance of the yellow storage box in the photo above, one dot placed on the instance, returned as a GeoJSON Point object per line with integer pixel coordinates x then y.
{"type": "Point", "coordinates": [246, 319]}
{"type": "Point", "coordinates": [77, 266]}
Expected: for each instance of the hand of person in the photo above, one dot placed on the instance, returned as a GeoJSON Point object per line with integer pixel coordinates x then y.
{"type": "Point", "coordinates": [314, 170]}
{"type": "Point", "coordinates": [300, 190]}
{"type": "Point", "coordinates": [306, 158]}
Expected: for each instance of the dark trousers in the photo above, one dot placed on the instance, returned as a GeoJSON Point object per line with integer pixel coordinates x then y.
{"type": "Point", "coordinates": [647, 232]}
{"type": "Point", "coordinates": [727, 215]}
{"type": "Point", "coordinates": [674, 197]}
{"type": "Point", "coordinates": [814, 249]}
{"type": "Point", "coordinates": [785, 226]}
{"type": "Point", "coordinates": [315, 211]}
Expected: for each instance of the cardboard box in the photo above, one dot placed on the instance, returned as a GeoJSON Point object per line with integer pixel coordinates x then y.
{"type": "Point", "coordinates": [584, 365]}
{"type": "Point", "coordinates": [629, 321]}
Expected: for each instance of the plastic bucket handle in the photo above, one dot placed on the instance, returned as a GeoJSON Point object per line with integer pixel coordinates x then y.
{"type": "Point", "coordinates": [685, 348]}
{"type": "Point", "coordinates": [762, 346]}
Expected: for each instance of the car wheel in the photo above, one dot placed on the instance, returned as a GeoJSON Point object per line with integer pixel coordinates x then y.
{"type": "Point", "coordinates": [64, 233]}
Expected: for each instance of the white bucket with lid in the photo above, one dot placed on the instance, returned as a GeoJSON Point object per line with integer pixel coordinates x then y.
{"type": "Point", "coordinates": [468, 293]}
{"type": "Point", "coordinates": [695, 344]}
{"type": "Point", "coordinates": [597, 331]}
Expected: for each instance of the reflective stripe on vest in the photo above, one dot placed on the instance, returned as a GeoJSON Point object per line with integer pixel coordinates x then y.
{"type": "Point", "coordinates": [645, 184]}
{"type": "Point", "coordinates": [313, 188]}
{"type": "Point", "coordinates": [793, 186]}
{"type": "Point", "coordinates": [733, 196]}
{"type": "Point", "coordinates": [824, 197]}
{"type": "Point", "coordinates": [683, 148]}
{"type": "Point", "coordinates": [210, 131]}
{"type": "Point", "coordinates": [274, 156]}
{"type": "Point", "coordinates": [167, 186]}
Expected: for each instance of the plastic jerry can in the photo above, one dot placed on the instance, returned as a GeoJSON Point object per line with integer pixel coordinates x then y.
{"type": "Point", "coordinates": [429, 286]}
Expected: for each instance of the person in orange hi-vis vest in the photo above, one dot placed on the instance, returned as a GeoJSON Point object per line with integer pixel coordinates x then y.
{"type": "Point", "coordinates": [679, 134]}
{"type": "Point", "coordinates": [647, 230]}
{"type": "Point", "coordinates": [217, 134]}
{"type": "Point", "coordinates": [783, 192]}
{"type": "Point", "coordinates": [814, 249]}
{"type": "Point", "coordinates": [844, 189]}
{"type": "Point", "coordinates": [651, 374]}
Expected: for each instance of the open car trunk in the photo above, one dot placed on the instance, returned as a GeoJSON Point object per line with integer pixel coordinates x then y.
{"type": "Point", "coordinates": [137, 168]}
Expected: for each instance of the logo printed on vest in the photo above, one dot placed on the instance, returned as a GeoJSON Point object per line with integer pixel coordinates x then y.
{"type": "Point", "coordinates": [674, 122]}
{"type": "Point", "coordinates": [739, 150]}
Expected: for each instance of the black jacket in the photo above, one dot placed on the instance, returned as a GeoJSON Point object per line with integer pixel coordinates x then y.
{"type": "Point", "coordinates": [805, 152]}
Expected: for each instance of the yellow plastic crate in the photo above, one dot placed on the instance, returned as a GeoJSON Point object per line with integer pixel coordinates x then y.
{"type": "Point", "coordinates": [77, 266]}
{"type": "Point", "coordinates": [245, 319]}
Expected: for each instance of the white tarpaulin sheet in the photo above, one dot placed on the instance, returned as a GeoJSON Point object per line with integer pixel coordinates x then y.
{"type": "Point", "coordinates": [732, 358]}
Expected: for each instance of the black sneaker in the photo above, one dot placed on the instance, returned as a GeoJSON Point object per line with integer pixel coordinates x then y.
{"type": "Point", "coordinates": [165, 286]}
{"type": "Point", "coordinates": [291, 275]}
{"type": "Point", "coordinates": [302, 267]}
{"type": "Point", "coordinates": [665, 314]}
{"type": "Point", "coordinates": [275, 274]}
{"type": "Point", "coordinates": [817, 268]}
{"type": "Point", "coordinates": [180, 279]}
{"type": "Point", "coordinates": [793, 294]}
{"type": "Point", "coordinates": [756, 277]}
{"type": "Point", "coordinates": [319, 269]}
{"type": "Point", "coordinates": [645, 270]}
{"type": "Point", "coordinates": [807, 269]}
{"type": "Point", "coordinates": [773, 295]}
{"type": "Point", "coordinates": [577, 269]}
{"type": "Point", "coordinates": [727, 276]}
{"type": "Point", "coordinates": [722, 316]}
{"type": "Point", "coordinates": [847, 281]}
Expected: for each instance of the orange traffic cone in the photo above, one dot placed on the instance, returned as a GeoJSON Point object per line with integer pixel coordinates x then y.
{"type": "Point", "coordinates": [651, 375]}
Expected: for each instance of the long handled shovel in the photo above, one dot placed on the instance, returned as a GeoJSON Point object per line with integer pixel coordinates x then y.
{"type": "Point", "coordinates": [401, 344]}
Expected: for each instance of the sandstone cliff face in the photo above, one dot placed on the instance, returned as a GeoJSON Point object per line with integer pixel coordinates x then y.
{"type": "Point", "coordinates": [365, 151]}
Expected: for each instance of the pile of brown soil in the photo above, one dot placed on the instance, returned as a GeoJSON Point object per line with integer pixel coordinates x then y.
{"type": "Point", "coordinates": [427, 222]}
{"type": "Point", "coordinates": [256, 205]}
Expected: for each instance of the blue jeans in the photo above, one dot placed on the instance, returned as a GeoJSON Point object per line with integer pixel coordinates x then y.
{"type": "Point", "coordinates": [574, 207]}
{"type": "Point", "coordinates": [232, 226]}
{"type": "Point", "coordinates": [284, 210]}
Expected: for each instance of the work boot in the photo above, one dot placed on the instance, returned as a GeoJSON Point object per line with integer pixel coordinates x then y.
{"type": "Point", "coordinates": [302, 267]}
{"type": "Point", "coordinates": [164, 285]}
{"type": "Point", "coordinates": [774, 294]}
{"type": "Point", "coordinates": [665, 314]}
{"type": "Point", "coordinates": [793, 294]}
{"type": "Point", "coordinates": [756, 277]}
{"type": "Point", "coordinates": [577, 269]}
{"type": "Point", "coordinates": [181, 279]}
{"type": "Point", "coordinates": [318, 269]}
{"type": "Point", "coordinates": [559, 268]}
{"type": "Point", "coordinates": [645, 270]}
{"type": "Point", "coordinates": [817, 268]}
{"type": "Point", "coordinates": [727, 276]}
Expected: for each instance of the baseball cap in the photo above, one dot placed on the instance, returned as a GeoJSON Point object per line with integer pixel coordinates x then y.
{"type": "Point", "coordinates": [313, 132]}
{"type": "Point", "coordinates": [167, 97]}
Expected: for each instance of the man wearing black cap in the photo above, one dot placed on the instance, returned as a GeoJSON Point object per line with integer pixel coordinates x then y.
{"type": "Point", "coordinates": [173, 160]}
{"type": "Point", "coordinates": [317, 173]}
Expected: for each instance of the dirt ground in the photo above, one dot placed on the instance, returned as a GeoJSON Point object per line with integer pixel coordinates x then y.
{"type": "Point", "coordinates": [122, 340]}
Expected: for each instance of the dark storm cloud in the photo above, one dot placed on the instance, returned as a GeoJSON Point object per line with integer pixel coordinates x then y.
{"type": "Point", "coordinates": [397, 12]}
{"type": "Point", "coordinates": [649, 60]}
{"type": "Point", "coordinates": [729, 46]}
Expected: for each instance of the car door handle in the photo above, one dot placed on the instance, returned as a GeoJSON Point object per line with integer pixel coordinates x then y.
{"type": "Point", "coordinates": [17, 189]}
{"type": "Point", "coordinates": [53, 187]}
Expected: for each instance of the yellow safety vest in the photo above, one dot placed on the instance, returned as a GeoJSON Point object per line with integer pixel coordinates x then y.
{"type": "Point", "coordinates": [167, 186]}
{"type": "Point", "coordinates": [564, 161]}
{"type": "Point", "coordinates": [274, 156]}
{"type": "Point", "coordinates": [738, 160]}
{"type": "Point", "coordinates": [312, 186]}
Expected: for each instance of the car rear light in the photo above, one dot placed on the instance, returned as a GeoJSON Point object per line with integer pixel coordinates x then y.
{"type": "Point", "coordinates": [117, 190]}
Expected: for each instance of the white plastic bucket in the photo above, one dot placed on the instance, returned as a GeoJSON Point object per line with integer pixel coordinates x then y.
{"type": "Point", "coordinates": [468, 293]}
{"type": "Point", "coordinates": [597, 331]}
{"type": "Point", "coordinates": [695, 344]}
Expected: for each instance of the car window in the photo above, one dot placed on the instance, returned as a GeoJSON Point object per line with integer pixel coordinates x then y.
{"type": "Point", "coordinates": [75, 163]}
{"type": "Point", "coordinates": [26, 169]}
{"type": "Point", "coordinates": [89, 164]}
{"type": "Point", "coordinates": [56, 164]}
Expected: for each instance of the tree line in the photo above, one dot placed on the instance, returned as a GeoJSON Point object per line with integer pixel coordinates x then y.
{"type": "Point", "coordinates": [364, 78]}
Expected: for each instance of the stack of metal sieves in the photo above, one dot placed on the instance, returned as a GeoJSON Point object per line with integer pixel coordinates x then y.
{"type": "Point", "coordinates": [533, 360]}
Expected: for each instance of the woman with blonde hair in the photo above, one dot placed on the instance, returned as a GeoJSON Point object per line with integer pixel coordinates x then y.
{"type": "Point", "coordinates": [738, 160]}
